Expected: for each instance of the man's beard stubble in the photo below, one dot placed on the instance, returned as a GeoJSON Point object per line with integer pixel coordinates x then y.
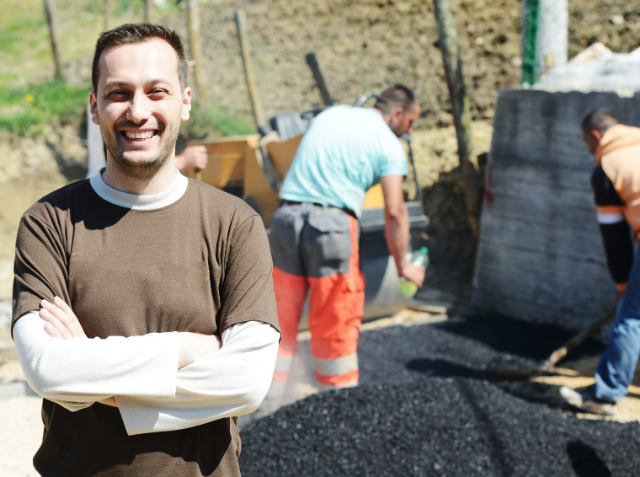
{"type": "Point", "coordinates": [146, 169]}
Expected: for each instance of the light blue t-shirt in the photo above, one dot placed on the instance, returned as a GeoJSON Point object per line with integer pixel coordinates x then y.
{"type": "Point", "coordinates": [345, 151]}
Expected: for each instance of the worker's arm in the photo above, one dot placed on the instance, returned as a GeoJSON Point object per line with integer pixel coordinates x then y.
{"type": "Point", "coordinates": [615, 231]}
{"type": "Point", "coordinates": [396, 226]}
{"type": "Point", "coordinates": [194, 158]}
{"type": "Point", "coordinates": [77, 371]}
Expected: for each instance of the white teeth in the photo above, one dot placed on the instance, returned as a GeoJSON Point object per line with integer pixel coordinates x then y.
{"type": "Point", "coordinates": [144, 135]}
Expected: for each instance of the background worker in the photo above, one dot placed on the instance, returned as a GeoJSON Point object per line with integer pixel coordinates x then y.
{"type": "Point", "coordinates": [615, 181]}
{"type": "Point", "coordinates": [143, 305]}
{"type": "Point", "coordinates": [314, 234]}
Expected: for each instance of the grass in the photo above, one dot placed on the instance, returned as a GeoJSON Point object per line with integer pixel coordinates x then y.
{"type": "Point", "coordinates": [25, 110]}
{"type": "Point", "coordinates": [210, 121]}
{"type": "Point", "coordinates": [24, 35]}
{"type": "Point", "coordinates": [29, 98]}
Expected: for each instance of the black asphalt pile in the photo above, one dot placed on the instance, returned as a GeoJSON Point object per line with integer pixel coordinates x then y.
{"type": "Point", "coordinates": [439, 426]}
{"type": "Point", "coordinates": [425, 407]}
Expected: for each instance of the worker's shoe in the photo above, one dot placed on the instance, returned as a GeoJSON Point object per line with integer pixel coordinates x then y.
{"type": "Point", "coordinates": [584, 400]}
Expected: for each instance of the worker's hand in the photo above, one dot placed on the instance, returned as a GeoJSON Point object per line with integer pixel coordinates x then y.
{"type": "Point", "coordinates": [194, 158]}
{"type": "Point", "coordinates": [194, 346]}
{"type": "Point", "coordinates": [412, 273]}
{"type": "Point", "coordinates": [61, 320]}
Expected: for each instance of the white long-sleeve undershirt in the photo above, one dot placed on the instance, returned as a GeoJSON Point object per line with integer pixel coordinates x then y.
{"type": "Point", "coordinates": [141, 372]}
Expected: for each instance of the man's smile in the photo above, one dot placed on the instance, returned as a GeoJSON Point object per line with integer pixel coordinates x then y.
{"type": "Point", "coordinates": [139, 137]}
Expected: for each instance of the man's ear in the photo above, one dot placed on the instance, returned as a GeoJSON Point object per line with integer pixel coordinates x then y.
{"type": "Point", "coordinates": [186, 105]}
{"type": "Point", "coordinates": [93, 107]}
{"type": "Point", "coordinates": [398, 113]}
{"type": "Point", "coordinates": [596, 134]}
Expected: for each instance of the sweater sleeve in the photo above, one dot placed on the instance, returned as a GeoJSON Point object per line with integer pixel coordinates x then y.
{"type": "Point", "coordinates": [231, 382]}
{"type": "Point", "coordinates": [77, 372]}
{"type": "Point", "coordinates": [615, 231]}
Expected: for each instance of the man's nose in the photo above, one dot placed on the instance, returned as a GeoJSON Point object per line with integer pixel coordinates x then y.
{"type": "Point", "coordinates": [139, 108]}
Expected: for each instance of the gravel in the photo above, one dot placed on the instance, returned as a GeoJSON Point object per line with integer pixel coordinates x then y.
{"type": "Point", "coordinates": [424, 408]}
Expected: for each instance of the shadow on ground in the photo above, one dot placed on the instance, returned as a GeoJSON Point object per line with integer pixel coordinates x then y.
{"type": "Point", "coordinates": [468, 346]}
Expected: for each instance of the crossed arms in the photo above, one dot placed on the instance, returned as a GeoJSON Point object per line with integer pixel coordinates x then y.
{"type": "Point", "coordinates": [160, 381]}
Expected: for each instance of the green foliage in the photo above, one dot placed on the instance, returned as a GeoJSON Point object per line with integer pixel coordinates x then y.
{"type": "Point", "coordinates": [207, 121]}
{"type": "Point", "coordinates": [26, 110]}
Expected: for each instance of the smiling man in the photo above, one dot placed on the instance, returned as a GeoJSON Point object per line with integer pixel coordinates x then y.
{"type": "Point", "coordinates": [143, 305]}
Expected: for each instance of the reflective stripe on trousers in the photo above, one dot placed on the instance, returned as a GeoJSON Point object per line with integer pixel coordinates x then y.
{"type": "Point", "coordinates": [312, 253]}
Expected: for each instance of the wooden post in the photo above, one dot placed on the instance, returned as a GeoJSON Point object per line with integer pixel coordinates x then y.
{"type": "Point", "coordinates": [317, 75]}
{"type": "Point", "coordinates": [196, 48]}
{"type": "Point", "coordinates": [450, 48]}
{"type": "Point", "coordinates": [149, 11]}
{"type": "Point", "coordinates": [107, 14]}
{"type": "Point", "coordinates": [52, 19]}
{"type": "Point", "coordinates": [258, 113]}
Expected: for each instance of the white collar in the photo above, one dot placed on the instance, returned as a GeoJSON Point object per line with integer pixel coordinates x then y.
{"type": "Point", "coordinates": [140, 202]}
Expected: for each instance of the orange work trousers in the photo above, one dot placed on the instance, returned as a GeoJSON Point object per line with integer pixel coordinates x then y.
{"type": "Point", "coordinates": [315, 251]}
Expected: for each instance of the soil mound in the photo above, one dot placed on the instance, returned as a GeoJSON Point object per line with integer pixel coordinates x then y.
{"type": "Point", "coordinates": [441, 426]}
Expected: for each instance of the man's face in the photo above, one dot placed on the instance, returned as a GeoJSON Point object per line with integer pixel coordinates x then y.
{"type": "Point", "coordinates": [139, 105]}
{"type": "Point", "coordinates": [401, 121]}
{"type": "Point", "coordinates": [592, 138]}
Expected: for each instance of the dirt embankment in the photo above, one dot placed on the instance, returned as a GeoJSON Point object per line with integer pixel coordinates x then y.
{"type": "Point", "coordinates": [29, 169]}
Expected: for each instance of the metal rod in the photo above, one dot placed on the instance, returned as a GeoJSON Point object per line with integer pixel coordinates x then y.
{"type": "Point", "coordinates": [258, 113]}
{"type": "Point", "coordinates": [195, 43]}
{"type": "Point", "coordinates": [52, 20]}
{"type": "Point", "coordinates": [317, 75]}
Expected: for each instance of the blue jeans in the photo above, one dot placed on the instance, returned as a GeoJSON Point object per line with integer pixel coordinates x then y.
{"type": "Point", "coordinates": [618, 363]}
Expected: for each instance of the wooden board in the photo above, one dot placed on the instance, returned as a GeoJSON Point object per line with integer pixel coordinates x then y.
{"type": "Point", "coordinates": [540, 255]}
{"type": "Point", "coordinates": [282, 154]}
{"type": "Point", "coordinates": [226, 160]}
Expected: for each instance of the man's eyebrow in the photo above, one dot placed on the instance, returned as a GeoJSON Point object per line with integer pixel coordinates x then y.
{"type": "Point", "coordinates": [151, 82]}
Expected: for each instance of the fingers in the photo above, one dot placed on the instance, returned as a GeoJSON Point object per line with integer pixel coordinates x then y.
{"type": "Point", "coordinates": [54, 323]}
{"type": "Point", "coordinates": [53, 332]}
{"type": "Point", "coordinates": [62, 318]}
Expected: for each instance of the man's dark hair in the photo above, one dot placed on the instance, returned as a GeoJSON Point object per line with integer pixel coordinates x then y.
{"type": "Point", "coordinates": [599, 120]}
{"type": "Point", "coordinates": [395, 96]}
{"type": "Point", "coordinates": [131, 33]}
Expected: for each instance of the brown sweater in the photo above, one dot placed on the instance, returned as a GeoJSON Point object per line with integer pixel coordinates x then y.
{"type": "Point", "coordinates": [201, 264]}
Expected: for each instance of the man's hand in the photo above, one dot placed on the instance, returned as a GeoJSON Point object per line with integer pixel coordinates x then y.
{"type": "Point", "coordinates": [194, 158]}
{"type": "Point", "coordinates": [194, 346]}
{"type": "Point", "coordinates": [61, 320]}
{"type": "Point", "coordinates": [413, 273]}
